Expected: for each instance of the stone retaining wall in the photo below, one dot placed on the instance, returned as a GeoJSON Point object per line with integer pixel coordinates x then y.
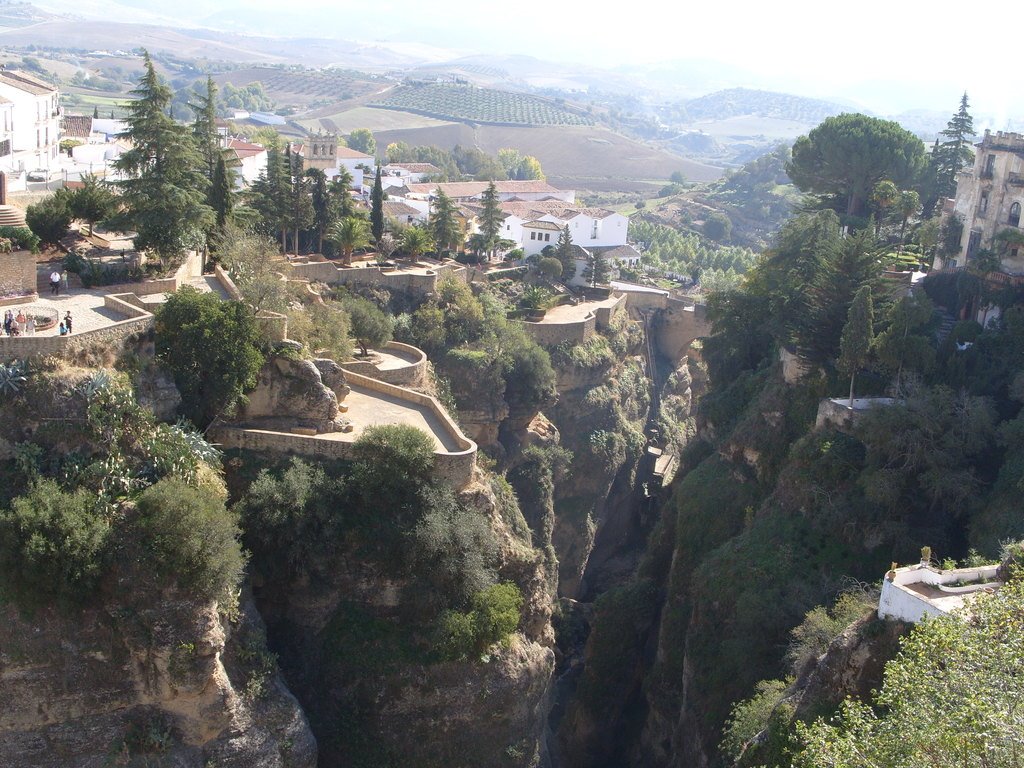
{"type": "Point", "coordinates": [412, 375]}
{"type": "Point", "coordinates": [18, 275]}
{"type": "Point", "coordinates": [553, 334]}
{"type": "Point", "coordinates": [456, 467]}
{"type": "Point", "coordinates": [328, 272]}
{"type": "Point", "coordinates": [114, 335]}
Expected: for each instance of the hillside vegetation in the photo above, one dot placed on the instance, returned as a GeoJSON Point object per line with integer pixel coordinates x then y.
{"type": "Point", "coordinates": [735, 102]}
{"type": "Point", "coordinates": [479, 105]}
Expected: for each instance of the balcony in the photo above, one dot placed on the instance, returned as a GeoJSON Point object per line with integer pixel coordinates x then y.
{"type": "Point", "coordinates": [1015, 179]}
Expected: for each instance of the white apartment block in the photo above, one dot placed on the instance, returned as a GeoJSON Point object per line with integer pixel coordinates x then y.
{"type": "Point", "coordinates": [33, 108]}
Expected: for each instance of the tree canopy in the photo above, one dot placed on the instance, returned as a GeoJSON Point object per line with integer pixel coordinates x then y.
{"type": "Point", "coordinates": [847, 155]}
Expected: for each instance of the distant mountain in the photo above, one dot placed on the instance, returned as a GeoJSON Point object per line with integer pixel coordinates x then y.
{"type": "Point", "coordinates": [741, 102]}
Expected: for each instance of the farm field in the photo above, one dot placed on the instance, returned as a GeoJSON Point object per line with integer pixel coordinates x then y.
{"type": "Point", "coordinates": [449, 101]}
{"type": "Point", "coordinates": [581, 156]}
{"type": "Point", "coordinates": [369, 117]}
{"type": "Point", "coordinates": [305, 88]}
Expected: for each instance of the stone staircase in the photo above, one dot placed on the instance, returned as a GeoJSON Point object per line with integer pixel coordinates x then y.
{"type": "Point", "coordinates": [945, 326]}
{"type": "Point", "coordinates": [11, 216]}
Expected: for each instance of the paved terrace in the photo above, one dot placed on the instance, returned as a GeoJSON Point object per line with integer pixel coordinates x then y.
{"type": "Point", "coordinates": [369, 409]}
{"type": "Point", "coordinates": [567, 313]}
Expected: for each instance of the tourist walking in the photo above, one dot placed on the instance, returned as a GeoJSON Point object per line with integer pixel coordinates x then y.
{"type": "Point", "coordinates": [55, 283]}
{"type": "Point", "coordinates": [67, 321]}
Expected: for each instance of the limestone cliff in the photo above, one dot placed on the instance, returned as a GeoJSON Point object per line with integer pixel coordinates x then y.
{"type": "Point", "coordinates": [173, 681]}
{"type": "Point", "coordinates": [374, 699]}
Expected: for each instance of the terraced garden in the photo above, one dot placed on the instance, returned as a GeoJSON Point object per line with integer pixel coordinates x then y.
{"type": "Point", "coordinates": [467, 103]}
{"type": "Point", "coordinates": [304, 85]}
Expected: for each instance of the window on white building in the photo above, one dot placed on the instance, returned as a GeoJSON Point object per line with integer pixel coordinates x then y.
{"type": "Point", "coordinates": [1014, 219]}
{"type": "Point", "coordinates": [983, 204]}
{"type": "Point", "coordinates": [593, 231]}
{"type": "Point", "coordinates": [547, 237]}
{"type": "Point", "coordinates": [533, 235]}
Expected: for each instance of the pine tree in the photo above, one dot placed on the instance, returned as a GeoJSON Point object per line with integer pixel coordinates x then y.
{"type": "Point", "coordinates": [164, 192]}
{"type": "Point", "coordinates": [855, 345]}
{"type": "Point", "coordinates": [951, 155]}
{"type": "Point", "coordinates": [95, 113]}
{"type": "Point", "coordinates": [564, 253]}
{"type": "Point", "coordinates": [491, 218]}
{"type": "Point", "coordinates": [377, 207]}
{"type": "Point", "coordinates": [443, 224]}
{"type": "Point", "coordinates": [221, 195]}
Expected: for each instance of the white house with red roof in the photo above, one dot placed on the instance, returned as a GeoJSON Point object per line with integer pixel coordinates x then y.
{"type": "Point", "coordinates": [246, 159]}
{"type": "Point", "coordinates": [472, 191]}
{"type": "Point", "coordinates": [397, 174]}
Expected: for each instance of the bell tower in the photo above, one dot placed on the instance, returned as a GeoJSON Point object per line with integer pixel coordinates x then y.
{"type": "Point", "coordinates": [321, 151]}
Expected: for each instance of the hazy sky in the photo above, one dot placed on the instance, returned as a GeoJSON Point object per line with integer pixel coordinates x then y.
{"type": "Point", "coordinates": [895, 53]}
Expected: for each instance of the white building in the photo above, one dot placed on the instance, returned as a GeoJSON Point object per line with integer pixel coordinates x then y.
{"type": "Point", "coordinates": [538, 235]}
{"type": "Point", "coordinates": [588, 227]}
{"type": "Point", "coordinates": [912, 593]}
{"type": "Point", "coordinates": [246, 160]}
{"type": "Point", "coordinates": [395, 174]}
{"type": "Point", "coordinates": [35, 122]}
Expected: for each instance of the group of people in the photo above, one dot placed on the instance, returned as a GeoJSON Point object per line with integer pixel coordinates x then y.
{"type": "Point", "coordinates": [24, 324]}
{"type": "Point", "coordinates": [19, 324]}
{"type": "Point", "coordinates": [55, 280]}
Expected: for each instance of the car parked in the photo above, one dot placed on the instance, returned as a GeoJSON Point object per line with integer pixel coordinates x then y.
{"type": "Point", "coordinates": [38, 174]}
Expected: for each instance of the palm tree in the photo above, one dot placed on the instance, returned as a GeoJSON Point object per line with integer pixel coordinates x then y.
{"type": "Point", "coordinates": [906, 205]}
{"type": "Point", "coordinates": [348, 234]}
{"type": "Point", "coordinates": [416, 241]}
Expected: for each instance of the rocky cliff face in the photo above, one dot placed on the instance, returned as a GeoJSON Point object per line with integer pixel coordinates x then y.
{"type": "Point", "coordinates": [374, 700]}
{"type": "Point", "coordinates": [173, 681]}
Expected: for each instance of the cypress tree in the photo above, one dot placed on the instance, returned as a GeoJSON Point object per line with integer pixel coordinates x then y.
{"type": "Point", "coordinates": [858, 334]}
{"type": "Point", "coordinates": [491, 218]}
{"type": "Point", "coordinates": [954, 152]}
{"type": "Point", "coordinates": [377, 208]}
{"type": "Point", "coordinates": [563, 252]}
{"type": "Point", "coordinates": [268, 196]}
{"type": "Point", "coordinates": [221, 196]}
{"type": "Point", "coordinates": [323, 209]}
{"type": "Point", "coordinates": [204, 129]}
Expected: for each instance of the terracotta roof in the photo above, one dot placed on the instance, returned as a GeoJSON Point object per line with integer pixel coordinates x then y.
{"type": "Point", "coordinates": [347, 153]}
{"type": "Point", "coordinates": [550, 225]}
{"type": "Point", "coordinates": [244, 148]}
{"type": "Point", "coordinates": [557, 208]}
{"type": "Point", "coordinates": [393, 208]}
{"type": "Point", "coordinates": [76, 126]}
{"type": "Point", "coordinates": [25, 82]}
{"type": "Point", "coordinates": [620, 252]}
{"type": "Point", "coordinates": [416, 167]}
{"type": "Point", "coordinates": [475, 188]}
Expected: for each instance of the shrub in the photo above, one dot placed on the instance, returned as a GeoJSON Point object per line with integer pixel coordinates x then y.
{"type": "Point", "coordinates": [211, 348]}
{"type": "Point", "coordinates": [188, 537]}
{"type": "Point", "coordinates": [23, 236]}
{"type": "Point", "coordinates": [550, 268]}
{"type": "Point", "coordinates": [393, 455]}
{"type": "Point", "coordinates": [493, 617]}
{"type": "Point", "coordinates": [453, 548]}
{"type": "Point", "coordinates": [49, 218]}
{"type": "Point", "coordinates": [52, 544]}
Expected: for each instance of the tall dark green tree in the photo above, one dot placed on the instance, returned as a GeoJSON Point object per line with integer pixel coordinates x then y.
{"type": "Point", "coordinates": [564, 253]}
{"type": "Point", "coordinates": [221, 195]}
{"type": "Point", "coordinates": [204, 128]}
{"type": "Point", "coordinates": [300, 206]}
{"type": "Point", "coordinates": [268, 196]}
{"type": "Point", "coordinates": [847, 155]}
{"type": "Point", "coordinates": [377, 207]}
{"type": "Point", "coordinates": [444, 224]}
{"type": "Point", "coordinates": [164, 189]}
{"type": "Point", "coordinates": [324, 213]}
{"type": "Point", "coordinates": [952, 153]}
{"type": "Point", "coordinates": [855, 345]}
{"type": "Point", "coordinates": [598, 271]}
{"type": "Point", "coordinates": [491, 218]}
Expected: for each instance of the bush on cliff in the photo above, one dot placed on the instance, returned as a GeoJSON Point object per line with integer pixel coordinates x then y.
{"type": "Point", "coordinates": [494, 615]}
{"type": "Point", "coordinates": [189, 538]}
{"type": "Point", "coordinates": [212, 349]}
{"type": "Point", "coordinates": [52, 544]}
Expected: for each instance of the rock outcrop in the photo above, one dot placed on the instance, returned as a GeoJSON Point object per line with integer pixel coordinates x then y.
{"type": "Point", "coordinates": [174, 681]}
{"type": "Point", "coordinates": [293, 392]}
